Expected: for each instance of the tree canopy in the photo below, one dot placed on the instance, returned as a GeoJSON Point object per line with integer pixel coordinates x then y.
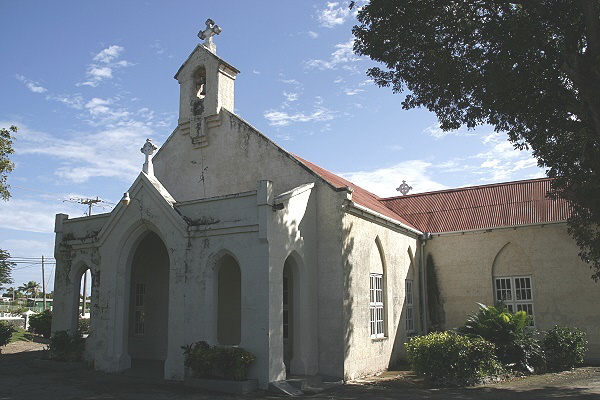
{"type": "Point", "coordinates": [30, 288]}
{"type": "Point", "coordinates": [5, 268]}
{"type": "Point", "coordinates": [6, 166]}
{"type": "Point", "coordinates": [528, 68]}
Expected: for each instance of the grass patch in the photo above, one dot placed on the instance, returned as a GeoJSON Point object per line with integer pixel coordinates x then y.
{"type": "Point", "coordinates": [21, 335]}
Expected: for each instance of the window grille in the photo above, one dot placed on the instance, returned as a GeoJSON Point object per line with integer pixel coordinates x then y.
{"type": "Point", "coordinates": [516, 293]}
{"type": "Point", "coordinates": [377, 322]}
{"type": "Point", "coordinates": [409, 307]}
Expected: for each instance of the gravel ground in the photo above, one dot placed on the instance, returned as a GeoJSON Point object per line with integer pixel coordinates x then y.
{"type": "Point", "coordinates": [19, 379]}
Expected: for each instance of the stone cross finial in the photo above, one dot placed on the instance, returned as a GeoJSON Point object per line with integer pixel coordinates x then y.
{"type": "Point", "coordinates": [404, 188]}
{"type": "Point", "coordinates": [207, 35]}
{"type": "Point", "coordinates": [148, 149]}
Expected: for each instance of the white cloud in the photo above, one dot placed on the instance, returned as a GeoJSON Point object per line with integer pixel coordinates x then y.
{"type": "Point", "coordinates": [352, 92]}
{"type": "Point", "coordinates": [436, 131]}
{"type": "Point", "coordinates": [499, 162]}
{"type": "Point", "coordinates": [313, 35]}
{"type": "Point", "coordinates": [31, 85]}
{"type": "Point", "coordinates": [106, 62]}
{"type": "Point", "coordinates": [290, 82]}
{"type": "Point", "coordinates": [74, 101]}
{"type": "Point", "coordinates": [97, 106]}
{"type": "Point", "coordinates": [113, 152]}
{"type": "Point", "coordinates": [341, 57]}
{"type": "Point", "coordinates": [255, 72]}
{"type": "Point", "coordinates": [384, 181]}
{"type": "Point", "coordinates": [333, 14]}
{"type": "Point", "coordinates": [27, 215]}
{"type": "Point", "coordinates": [158, 47]}
{"type": "Point", "coordinates": [109, 54]}
{"type": "Point", "coordinates": [290, 96]}
{"type": "Point", "coordinates": [282, 118]}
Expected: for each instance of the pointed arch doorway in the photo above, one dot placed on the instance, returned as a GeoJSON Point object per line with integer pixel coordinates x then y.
{"type": "Point", "coordinates": [148, 302]}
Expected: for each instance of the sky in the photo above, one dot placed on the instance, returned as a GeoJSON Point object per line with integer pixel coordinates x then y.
{"type": "Point", "coordinates": [87, 82]}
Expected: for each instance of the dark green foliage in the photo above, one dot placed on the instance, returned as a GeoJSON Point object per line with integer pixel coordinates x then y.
{"type": "Point", "coordinates": [528, 68]}
{"type": "Point", "coordinates": [198, 358]}
{"type": "Point", "coordinates": [83, 326]}
{"type": "Point", "coordinates": [6, 267]}
{"type": "Point", "coordinates": [41, 323]}
{"type": "Point", "coordinates": [435, 305]}
{"type": "Point", "coordinates": [30, 288]}
{"type": "Point", "coordinates": [515, 345]}
{"type": "Point", "coordinates": [450, 358]}
{"type": "Point", "coordinates": [565, 347]}
{"type": "Point", "coordinates": [64, 347]}
{"type": "Point", "coordinates": [6, 332]}
{"type": "Point", "coordinates": [6, 165]}
{"type": "Point", "coordinates": [217, 361]}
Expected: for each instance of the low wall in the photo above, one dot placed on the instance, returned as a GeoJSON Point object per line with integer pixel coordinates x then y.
{"type": "Point", "coordinates": [17, 322]}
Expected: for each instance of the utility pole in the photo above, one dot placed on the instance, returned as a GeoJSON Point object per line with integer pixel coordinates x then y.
{"type": "Point", "coordinates": [43, 284]}
{"type": "Point", "coordinates": [90, 203]}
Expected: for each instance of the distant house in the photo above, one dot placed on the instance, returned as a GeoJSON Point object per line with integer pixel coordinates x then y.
{"type": "Point", "coordinates": [38, 303]}
{"type": "Point", "coordinates": [228, 238]}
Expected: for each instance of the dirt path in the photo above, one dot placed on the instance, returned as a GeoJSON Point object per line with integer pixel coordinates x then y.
{"type": "Point", "coordinates": [19, 379]}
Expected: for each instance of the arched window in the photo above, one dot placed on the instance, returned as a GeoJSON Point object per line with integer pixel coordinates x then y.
{"type": "Point", "coordinates": [377, 289]}
{"type": "Point", "coordinates": [229, 308]}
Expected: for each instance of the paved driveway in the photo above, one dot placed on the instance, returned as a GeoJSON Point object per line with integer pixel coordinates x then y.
{"type": "Point", "coordinates": [19, 379]}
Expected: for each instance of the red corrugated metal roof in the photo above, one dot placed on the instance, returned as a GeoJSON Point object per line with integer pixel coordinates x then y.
{"type": "Point", "coordinates": [359, 196]}
{"type": "Point", "coordinates": [481, 207]}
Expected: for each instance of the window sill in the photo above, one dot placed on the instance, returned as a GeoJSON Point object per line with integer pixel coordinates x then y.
{"type": "Point", "coordinates": [379, 339]}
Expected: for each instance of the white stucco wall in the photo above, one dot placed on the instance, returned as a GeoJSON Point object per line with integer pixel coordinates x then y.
{"type": "Point", "coordinates": [564, 293]}
{"type": "Point", "coordinates": [364, 354]}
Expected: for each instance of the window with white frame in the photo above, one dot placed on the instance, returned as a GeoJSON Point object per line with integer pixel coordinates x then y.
{"type": "Point", "coordinates": [376, 305]}
{"type": "Point", "coordinates": [516, 292]}
{"type": "Point", "coordinates": [139, 320]}
{"type": "Point", "coordinates": [409, 307]}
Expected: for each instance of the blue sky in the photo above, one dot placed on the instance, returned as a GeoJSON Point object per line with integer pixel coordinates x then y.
{"type": "Point", "coordinates": [88, 81]}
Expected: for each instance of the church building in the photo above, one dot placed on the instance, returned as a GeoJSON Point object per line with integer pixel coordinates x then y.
{"type": "Point", "coordinates": [226, 237]}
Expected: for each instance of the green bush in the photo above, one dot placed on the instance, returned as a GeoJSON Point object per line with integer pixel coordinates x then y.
{"type": "Point", "coordinates": [83, 326]}
{"type": "Point", "coordinates": [232, 362]}
{"type": "Point", "coordinates": [450, 358]}
{"type": "Point", "coordinates": [198, 358]}
{"type": "Point", "coordinates": [217, 361]}
{"type": "Point", "coordinates": [64, 347]}
{"type": "Point", "coordinates": [6, 332]}
{"type": "Point", "coordinates": [510, 333]}
{"type": "Point", "coordinates": [564, 347]}
{"type": "Point", "coordinates": [41, 323]}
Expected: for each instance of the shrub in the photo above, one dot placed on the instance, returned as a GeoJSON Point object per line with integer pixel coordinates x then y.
{"type": "Point", "coordinates": [564, 347]}
{"type": "Point", "coordinates": [232, 362]}
{"type": "Point", "coordinates": [64, 347]}
{"type": "Point", "coordinates": [217, 361]}
{"type": "Point", "coordinates": [6, 332]}
{"type": "Point", "coordinates": [83, 326]}
{"type": "Point", "coordinates": [449, 358]}
{"type": "Point", "coordinates": [41, 323]}
{"type": "Point", "coordinates": [198, 358]}
{"type": "Point", "coordinates": [509, 332]}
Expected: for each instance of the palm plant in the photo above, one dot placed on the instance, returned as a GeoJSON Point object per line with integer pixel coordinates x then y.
{"type": "Point", "coordinates": [515, 345]}
{"type": "Point", "coordinates": [30, 288]}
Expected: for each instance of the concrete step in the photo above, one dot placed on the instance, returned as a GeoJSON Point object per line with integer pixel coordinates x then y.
{"type": "Point", "coordinates": [298, 385]}
{"type": "Point", "coordinates": [283, 387]}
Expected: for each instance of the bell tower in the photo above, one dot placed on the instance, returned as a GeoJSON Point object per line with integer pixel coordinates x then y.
{"type": "Point", "coordinates": [206, 85]}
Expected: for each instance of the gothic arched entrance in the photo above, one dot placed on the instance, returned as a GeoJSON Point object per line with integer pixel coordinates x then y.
{"type": "Point", "coordinates": [149, 300]}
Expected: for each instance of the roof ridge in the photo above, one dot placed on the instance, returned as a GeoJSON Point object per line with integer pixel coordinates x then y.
{"type": "Point", "coordinates": [465, 188]}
